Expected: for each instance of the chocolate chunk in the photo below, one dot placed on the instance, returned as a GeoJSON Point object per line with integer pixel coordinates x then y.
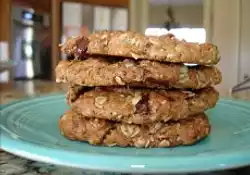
{"type": "Point", "coordinates": [82, 47]}
{"type": "Point", "coordinates": [157, 83]}
{"type": "Point", "coordinates": [70, 57]}
{"type": "Point", "coordinates": [142, 105]}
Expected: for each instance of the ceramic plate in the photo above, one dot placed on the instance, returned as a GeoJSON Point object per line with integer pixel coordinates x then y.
{"type": "Point", "coordinates": [30, 129]}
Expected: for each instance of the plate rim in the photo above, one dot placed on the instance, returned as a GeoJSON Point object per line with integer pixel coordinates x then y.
{"type": "Point", "coordinates": [21, 145]}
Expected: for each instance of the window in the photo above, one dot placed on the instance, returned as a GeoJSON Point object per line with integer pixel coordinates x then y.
{"type": "Point", "coordinates": [188, 34]}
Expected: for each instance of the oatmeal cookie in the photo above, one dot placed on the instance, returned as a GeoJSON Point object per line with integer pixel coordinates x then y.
{"type": "Point", "coordinates": [107, 72]}
{"type": "Point", "coordinates": [104, 132]}
{"type": "Point", "coordinates": [164, 48]}
{"type": "Point", "coordinates": [143, 106]}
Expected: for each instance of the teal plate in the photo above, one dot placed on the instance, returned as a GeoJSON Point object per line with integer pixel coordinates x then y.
{"type": "Point", "coordinates": [29, 129]}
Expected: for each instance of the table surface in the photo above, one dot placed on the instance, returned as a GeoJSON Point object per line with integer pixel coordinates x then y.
{"type": "Point", "coordinates": [10, 164]}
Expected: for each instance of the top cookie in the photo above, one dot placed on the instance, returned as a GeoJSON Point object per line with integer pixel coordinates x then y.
{"type": "Point", "coordinates": [164, 48]}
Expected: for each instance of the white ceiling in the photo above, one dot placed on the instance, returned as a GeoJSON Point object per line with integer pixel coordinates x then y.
{"type": "Point", "coordinates": [175, 2]}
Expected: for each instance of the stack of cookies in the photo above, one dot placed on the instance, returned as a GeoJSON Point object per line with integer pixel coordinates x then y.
{"type": "Point", "coordinates": [127, 89]}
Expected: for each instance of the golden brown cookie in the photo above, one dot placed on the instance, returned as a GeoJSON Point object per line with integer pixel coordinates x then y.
{"type": "Point", "coordinates": [143, 106]}
{"type": "Point", "coordinates": [165, 48]}
{"type": "Point", "coordinates": [104, 132]}
{"type": "Point", "coordinates": [107, 72]}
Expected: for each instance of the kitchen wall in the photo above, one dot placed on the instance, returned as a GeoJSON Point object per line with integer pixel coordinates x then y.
{"type": "Point", "coordinates": [72, 17]}
{"type": "Point", "coordinates": [244, 61]}
{"type": "Point", "coordinates": [78, 15]}
{"type": "Point", "coordinates": [230, 30]}
{"type": "Point", "coordinates": [72, 14]}
{"type": "Point", "coordinates": [186, 15]}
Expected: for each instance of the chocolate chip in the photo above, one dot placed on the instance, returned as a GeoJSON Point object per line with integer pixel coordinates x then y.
{"type": "Point", "coordinates": [157, 83]}
{"type": "Point", "coordinates": [170, 98]}
{"type": "Point", "coordinates": [148, 45]}
{"type": "Point", "coordinates": [70, 57]}
{"type": "Point", "coordinates": [142, 106]}
{"type": "Point", "coordinates": [82, 46]}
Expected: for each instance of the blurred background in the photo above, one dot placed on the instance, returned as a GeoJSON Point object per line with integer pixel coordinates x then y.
{"type": "Point", "coordinates": [31, 31]}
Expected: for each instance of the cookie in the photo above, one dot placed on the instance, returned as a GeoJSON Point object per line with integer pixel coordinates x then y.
{"type": "Point", "coordinates": [165, 48]}
{"type": "Point", "coordinates": [107, 72]}
{"type": "Point", "coordinates": [104, 132]}
{"type": "Point", "coordinates": [143, 106]}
